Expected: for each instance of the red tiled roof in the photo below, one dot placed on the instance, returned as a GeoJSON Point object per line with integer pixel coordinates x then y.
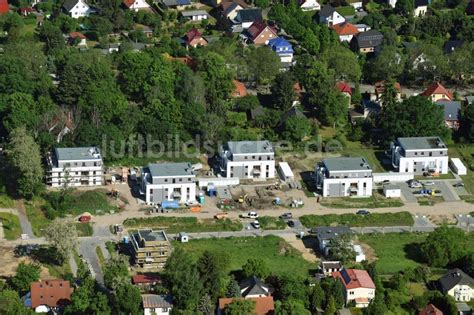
{"type": "Point", "coordinates": [258, 27]}
{"type": "Point", "coordinates": [50, 292]}
{"type": "Point", "coordinates": [354, 278]}
{"type": "Point", "coordinates": [430, 309]}
{"type": "Point", "coordinates": [240, 89]}
{"type": "Point", "coordinates": [437, 88]}
{"type": "Point", "coordinates": [77, 34]}
{"type": "Point", "coordinates": [145, 279]}
{"type": "Point", "coordinates": [25, 10]}
{"type": "Point", "coordinates": [192, 34]}
{"type": "Point", "coordinates": [345, 28]}
{"type": "Point", "coordinates": [380, 86]}
{"type": "Point", "coordinates": [263, 305]}
{"type": "Point", "coordinates": [344, 87]}
{"type": "Point", "coordinates": [128, 3]}
{"type": "Point", "coordinates": [4, 8]}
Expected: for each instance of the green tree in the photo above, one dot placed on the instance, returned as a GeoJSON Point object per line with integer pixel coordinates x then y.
{"type": "Point", "coordinates": [25, 159]}
{"type": "Point", "coordinates": [240, 307]}
{"type": "Point", "coordinates": [330, 306]}
{"type": "Point", "coordinates": [126, 300]}
{"type": "Point", "coordinates": [52, 36]}
{"type": "Point", "coordinates": [10, 304]}
{"type": "Point", "coordinates": [282, 91]}
{"type": "Point", "coordinates": [206, 306]}
{"type": "Point", "coordinates": [377, 305]}
{"type": "Point", "coordinates": [255, 267]}
{"type": "Point", "coordinates": [341, 249]}
{"type": "Point", "coordinates": [296, 128]}
{"type": "Point", "coordinates": [233, 289]}
{"type": "Point", "coordinates": [25, 275]}
{"type": "Point", "coordinates": [443, 246]}
{"type": "Point", "coordinates": [404, 7]}
{"type": "Point", "coordinates": [116, 271]}
{"type": "Point", "coordinates": [263, 64]}
{"type": "Point", "coordinates": [467, 123]}
{"type": "Point", "coordinates": [460, 63]}
{"type": "Point", "coordinates": [62, 235]}
{"type": "Point", "coordinates": [388, 64]}
{"type": "Point", "coordinates": [212, 267]}
{"type": "Point", "coordinates": [316, 298]}
{"type": "Point", "coordinates": [292, 306]}
{"type": "Point", "coordinates": [344, 63]}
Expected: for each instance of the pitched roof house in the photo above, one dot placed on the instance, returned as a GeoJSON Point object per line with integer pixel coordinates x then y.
{"type": "Point", "coordinates": [77, 8]}
{"type": "Point", "coordinates": [421, 7]}
{"type": "Point", "coordinates": [346, 31]}
{"type": "Point", "coordinates": [263, 305]}
{"type": "Point", "coordinates": [259, 33]}
{"type": "Point", "coordinates": [246, 17]}
{"type": "Point", "coordinates": [438, 92]}
{"type": "Point", "coordinates": [430, 309]}
{"type": "Point", "coordinates": [379, 89]}
{"type": "Point", "coordinates": [136, 5]}
{"type": "Point", "coordinates": [344, 88]}
{"type": "Point", "coordinates": [283, 49]}
{"type": "Point", "coordinates": [324, 234]}
{"type": "Point", "coordinates": [240, 89]}
{"type": "Point", "coordinates": [4, 8]}
{"type": "Point", "coordinates": [457, 284]}
{"type": "Point", "coordinates": [157, 304]}
{"type": "Point", "coordinates": [309, 5]}
{"type": "Point", "coordinates": [145, 281]}
{"type": "Point", "coordinates": [52, 293]}
{"type": "Point", "coordinates": [82, 38]}
{"type": "Point", "coordinates": [194, 38]}
{"type": "Point", "coordinates": [358, 286]}
{"type": "Point", "coordinates": [329, 16]}
{"type": "Point", "coordinates": [231, 7]}
{"type": "Point", "coordinates": [253, 287]}
{"type": "Point", "coordinates": [452, 112]}
{"type": "Point", "coordinates": [176, 4]}
{"type": "Point", "coordinates": [367, 42]}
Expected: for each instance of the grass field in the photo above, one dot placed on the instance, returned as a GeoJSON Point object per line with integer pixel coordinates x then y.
{"type": "Point", "coordinates": [84, 229]}
{"type": "Point", "coordinates": [6, 201]}
{"type": "Point", "coordinates": [271, 223]}
{"type": "Point", "coordinates": [11, 226]}
{"type": "Point", "coordinates": [36, 217]}
{"type": "Point", "coordinates": [429, 200]}
{"type": "Point", "coordinates": [375, 201]}
{"type": "Point", "coordinates": [278, 255]}
{"type": "Point", "coordinates": [100, 256]}
{"type": "Point", "coordinates": [466, 154]}
{"type": "Point", "coordinates": [184, 224]}
{"type": "Point", "coordinates": [356, 220]}
{"type": "Point", "coordinates": [78, 202]}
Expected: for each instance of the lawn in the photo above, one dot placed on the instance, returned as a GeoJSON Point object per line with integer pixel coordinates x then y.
{"type": "Point", "coordinates": [356, 220]}
{"type": "Point", "coordinates": [429, 200]}
{"type": "Point", "coordinates": [6, 201]}
{"type": "Point", "coordinates": [466, 154]}
{"type": "Point", "coordinates": [100, 256]}
{"type": "Point", "coordinates": [271, 223]}
{"type": "Point", "coordinates": [84, 229]}
{"type": "Point", "coordinates": [11, 226]}
{"type": "Point", "coordinates": [278, 255]}
{"type": "Point", "coordinates": [395, 251]}
{"type": "Point", "coordinates": [36, 217]}
{"type": "Point", "coordinates": [184, 224]}
{"type": "Point", "coordinates": [78, 202]}
{"type": "Point", "coordinates": [371, 155]}
{"type": "Point", "coordinates": [346, 11]}
{"type": "Point", "coordinates": [467, 198]}
{"type": "Point", "coordinates": [375, 201]}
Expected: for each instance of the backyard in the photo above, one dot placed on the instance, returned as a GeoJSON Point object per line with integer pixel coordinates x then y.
{"type": "Point", "coordinates": [357, 220]}
{"type": "Point", "coordinates": [279, 256]}
{"type": "Point", "coordinates": [466, 154]}
{"type": "Point", "coordinates": [271, 223]}
{"type": "Point", "coordinates": [374, 201]}
{"type": "Point", "coordinates": [11, 226]}
{"type": "Point", "coordinates": [184, 224]}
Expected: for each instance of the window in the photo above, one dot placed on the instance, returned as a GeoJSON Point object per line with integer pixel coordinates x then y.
{"type": "Point", "coordinates": [416, 153]}
{"type": "Point", "coordinates": [83, 164]}
{"type": "Point", "coordinates": [259, 158]}
{"type": "Point", "coordinates": [253, 157]}
{"type": "Point", "coordinates": [151, 191]}
{"type": "Point", "coordinates": [164, 309]}
{"type": "Point", "coordinates": [166, 180]}
{"type": "Point", "coordinates": [174, 181]}
{"type": "Point", "coordinates": [41, 296]}
{"type": "Point", "coordinates": [431, 153]}
{"type": "Point", "coordinates": [180, 179]}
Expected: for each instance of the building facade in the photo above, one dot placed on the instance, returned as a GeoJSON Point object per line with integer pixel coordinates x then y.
{"type": "Point", "coordinates": [457, 284]}
{"type": "Point", "coordinates": [283, 49]}
{"type": "Point", "coordinates": [74, 167]}
{"type": "Point", "coordinates": [248, 159]}
{"type": "Point", "coordinates": [168, 182]}
{"type": "Point", "coordinates": [344, 176]}
{"type": "Point", "coordinates": [77, 8]}
{"type": "Point", "coordinates": [419, 155]}
{"type": "Point", "coordinates": [358, 286]}
{"type": "Point", "coordinates": [150, 249]}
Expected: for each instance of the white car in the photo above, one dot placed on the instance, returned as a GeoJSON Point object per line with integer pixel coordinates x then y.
{"type": "Point", "coordinates": [428, 183]}
{"type": "Point", "coordinates": [256, 224]}
{"type": "Point", "coordinates": [250, 215]}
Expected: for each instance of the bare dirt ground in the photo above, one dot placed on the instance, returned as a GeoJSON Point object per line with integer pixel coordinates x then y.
{"type": "Point", "coordinates": [307, 253]}
{"type": "Point", "coordinates": [9, 263]}
{"type": "Point", "coordinates": [442, 219]}
{"type": "Point", "coordinates": [368, 251]}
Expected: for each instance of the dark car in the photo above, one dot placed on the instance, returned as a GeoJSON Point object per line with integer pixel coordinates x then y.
{"type": "Point", "coordinates": [291, 223]}
{"type": "Point", "coordinates": [286, 216]}
{"type": "Point", "coordinates": [460, 184]}
{"type": "Point", "coordinates": [363, 212]}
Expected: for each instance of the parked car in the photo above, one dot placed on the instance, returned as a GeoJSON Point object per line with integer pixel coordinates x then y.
{"type": "Point", "coordinates": [415, 184]}
{"type": "Point", "coordinates": [313, 231]}
{"type": "Point", "coordinates": [363, 212]}
{"type": "Point", "coordinates": [250, 215]}
{"type": "Point", "coordinates": [460, 184]}
{"type": "Point", "coordinates": [291, 223]}
{"type": "Point", "coordinates": [385, 182]}
{"type": "Point", "coordinates": [256, 224]}
{"type": "Point", "coordinates": [428, 183]}
{"type": "Point", "coordinates": [286, 216]}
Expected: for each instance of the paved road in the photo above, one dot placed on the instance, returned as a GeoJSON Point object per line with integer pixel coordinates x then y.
{"type": "Point", "coordinates": [407, 194]}
{"type": "Point", "coordinates": [24, 223]}
{"type": "Point", "coordinates": [447, 190]}
{"type": "Point", "coordinates": [87, 248]}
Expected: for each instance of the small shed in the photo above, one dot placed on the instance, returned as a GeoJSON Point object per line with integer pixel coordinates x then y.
{"type": "Point", "coordinates": [183, 237]}
{"type": "Point", "coordinates": [286, 174]}
{"type": "Point", "coordinates": [392, 191]}
{"type": "Point", "coordinates": [458, 167]}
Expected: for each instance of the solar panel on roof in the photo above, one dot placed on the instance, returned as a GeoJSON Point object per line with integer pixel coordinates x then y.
{"type": "Point", "coordinates": [346, 276]}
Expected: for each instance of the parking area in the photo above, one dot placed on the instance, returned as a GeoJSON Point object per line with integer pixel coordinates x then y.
{"type": "Point", "coordinates": [407, 194]}
{"type": "Point", "coordinates": [465, 220]}
{"type": "Point", "coordinates": [446, 190]}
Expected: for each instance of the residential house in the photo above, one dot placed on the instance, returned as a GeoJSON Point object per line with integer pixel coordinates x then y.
{"type": "Point", "coordinates": [367, 42]}
{"type": "Point", "coordinates": [150, 249]}
{"type": "Point", "coordinates": [430, 309]}
{"type": "Point", "coordinates": [438, 92]}
{"type": "Point", "coordinates": [4, 7]}
{"type": "Point", "coordinates": [469, 100]}
{"type": "Point", "coordinates": [329, 267]}
{"type": "Point", "coordinates": [458, 285]}
{"type": "Point", "coordinates": [239, 89]}
{"type": "Point", "coordinates": [79, 38]}
{"type": "Point", "coordinates": [136, 5]}
{"type": "Point", "coordinates": [379, 90]}
{"type": "Point", "coordinates": [157, 304]}
{"type": "Point", "coordinates": [324, 235]}
{"type": "Point", "coordinates": [194, 15]}
{"type": "Point", "coordinates": [194, 38]}
{"type": "Point", "coordinates": [253, 287]}
{"type": "Point", "coordinates": [283, 49]}
{"type": "Point", "coordinates": [362, 27]}
{"type": "Point", "coordinates": [392, 3]}
{"type": "Point", "coordinates": [309, 5]}
{"type": "Point", "coordinates": [419, 155]}
{"type": "Point", "coordinates": [356, 4]}
{"type": "Point", "coordinates": [231, 7]}
{"type": "Point", "coordinates": [329, 16]}
{"type": "Point", "coordinates": [259, 33]}
{"type": "Point", "coordinates": [358, 286]}
{"type": "Point", "coordinates": [77, 8]}
{"type": "Point", "coordinates": [451, 45]}
{"type": "Point", "coordinates": [452, 113]}
{"type": "Point", "coordinates": [74, 167]}
{"type": "Point", "coordinates": [470, 8]}
{"type": "Point", "coordinates": [246, 17]}
{"type": "Point", "coordinates": [248, 159]}
{"type": "Point", "coordinates": [176, 4]}
{"type": "Point", "coordinates": [344, 176]}
{"type": "Point", "coordinates": [263, 305]}
{"type": "Point", "coordinates": [463, 309]}
{"type": "Point", "coordinates": [344, 88]}
{"type": "Point", "coordinates": [50, 294]}
{"type": "Point", "coordinates": [421, 7]}
{"type": "Point", "coordinates": [168, 181]}
{"type": "Point", "coordinates": [146, 282]}
{"type": "Point", "coordinates": [346, 31]}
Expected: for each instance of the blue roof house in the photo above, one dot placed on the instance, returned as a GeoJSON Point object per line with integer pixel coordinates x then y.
{"type": "Point", "coordinates": [283, 48]}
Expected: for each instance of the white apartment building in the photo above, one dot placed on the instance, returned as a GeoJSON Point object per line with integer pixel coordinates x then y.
{"type": "Point", "coordinates": [248, 159]}
{"type": "Point", "coordinates": [419, 155]}
{"type": "Point", "coordinates": [74, 167]}
{"type": "Point", "coordinates": [168, 182]}
{"type": "Point", "coordinates": [344, 176]}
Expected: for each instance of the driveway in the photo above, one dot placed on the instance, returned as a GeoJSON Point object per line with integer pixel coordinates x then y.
{"type": "Point", "coordinates": [447, 190]}
{"type": "Point", "coordinates": [24, 223]}
{"type": "Point", "coordinates": [87, 251]}
{"type": "Point", "coordinates": [422, 221]}
{"type": "Point", "coordinates": [407, 194]}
